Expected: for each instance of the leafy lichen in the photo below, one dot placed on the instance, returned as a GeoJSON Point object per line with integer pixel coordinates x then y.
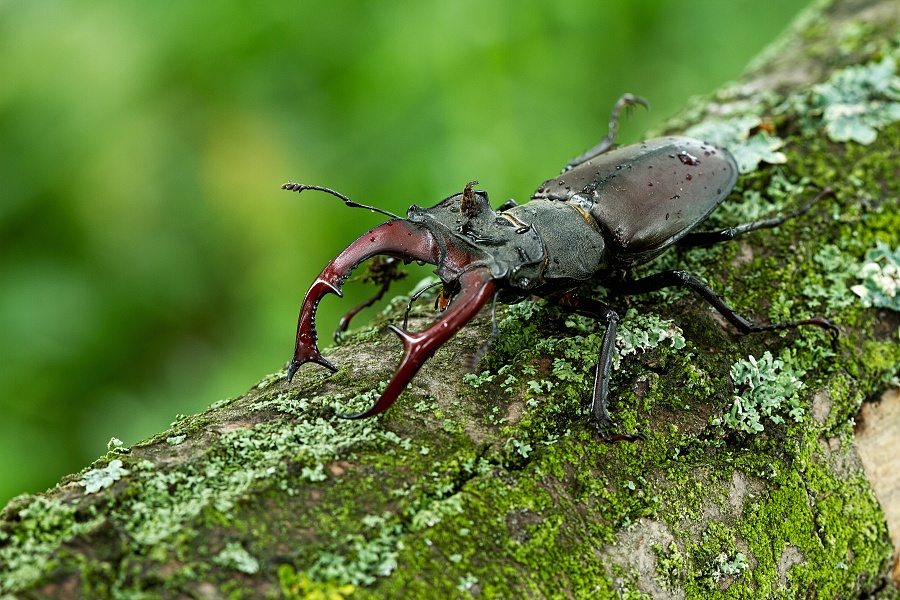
{"type": "Point", "coordinates": [745, 139]}
{"type": "Point", "coordinates": [98, 479]}
{"type": "Point", "coordinates": [858, 101]}
{"type": "Point", "coordinates": [769, 388]}
{"type": "Point", "coordinates": [235, 556]}
{"type": "Point", "coordinates": [880, 276]}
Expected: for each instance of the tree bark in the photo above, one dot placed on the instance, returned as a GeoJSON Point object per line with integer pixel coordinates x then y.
{"type": "Point", "coordinates": [494, 484]}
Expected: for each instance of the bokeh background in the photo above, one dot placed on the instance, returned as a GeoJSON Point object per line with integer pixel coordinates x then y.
{"type": "Point", "coordinates": [149, 263]}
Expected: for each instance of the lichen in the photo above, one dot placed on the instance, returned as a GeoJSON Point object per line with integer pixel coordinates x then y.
{"type": "Point", "coordinates": [98, 479]}
{"type": "Point", "coordinates": [769, 388]}
{"type": "Point", "coordinates": [858, 101]}
{"type": "Point", "coordinates": [234, 556]}
{"type": "Point", "coordinates": [880, 276]}
{"type": "Point", "coordinates": [746, 139]}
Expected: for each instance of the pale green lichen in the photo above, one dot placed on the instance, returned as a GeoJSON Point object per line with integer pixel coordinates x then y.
{"type": "Point", "coordinates": [858, 101]}
{"type": "Point", "coordinates": [780, 194]}
{"type": "Point", "coordinates": [880, 274]}
{"type": "Point", "coordinates": [830, 283]}
{"type": "Point", "coordinates": [770, 389]}
{"type": "Point", "coordinates": [26, 555]}
{"type": "Point", "coordinates": [744, 138]}
{"type": "Point", "coordinates": [115, 444]}
{"type": "Point", "coordinates": [235, 556]}
{"type": "Point", "coordinates": [645, 332]}
{"type": "Point", "coordinates": [366, 560]}
{"type": "Point", "coordinates": [729, 566]}
{"type": "Point", "coordinates": [98, 479]}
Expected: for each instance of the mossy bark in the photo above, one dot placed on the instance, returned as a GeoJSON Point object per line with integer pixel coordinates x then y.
{"type": "Point", "coordinates": [493, 485]}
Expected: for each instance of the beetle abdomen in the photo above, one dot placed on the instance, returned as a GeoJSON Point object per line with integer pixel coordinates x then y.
{"type": "Point", "coordinates": [646, 196]}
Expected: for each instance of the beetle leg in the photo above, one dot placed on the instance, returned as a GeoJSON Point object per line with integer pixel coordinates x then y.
{"type": "Point", "coordinates": [477, 286]}
{"type": "Point", "coordinates": [685, 279]}
{"type": "Point", "coordinates": [381, 271]}
{"type": "Point", "coordinates": [344, 323]}
{"type": "Point", "coordinates": [413, 298]}
{"type": "Point", "coordinates": [706, 238]}
{"type": "Point", "coordinates": [627, 100]}
{"type": "Point", "coordinates": [393, 238]}
{"type": "Point", "coordinates": [599, 412]}
{"type": "Point", "coordinates": [507, 205]}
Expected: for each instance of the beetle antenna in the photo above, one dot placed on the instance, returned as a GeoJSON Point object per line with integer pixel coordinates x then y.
{"type": "Point", "coordinates": [299, 187]}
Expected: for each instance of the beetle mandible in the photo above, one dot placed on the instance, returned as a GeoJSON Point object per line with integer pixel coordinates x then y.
{"type": "Point", "coordinates": [609, 210]}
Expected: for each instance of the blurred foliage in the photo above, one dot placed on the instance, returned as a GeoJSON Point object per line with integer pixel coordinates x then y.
{"type": "Point", "coordinates": [149, 263]}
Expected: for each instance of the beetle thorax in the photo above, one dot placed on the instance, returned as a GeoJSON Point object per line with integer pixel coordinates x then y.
{"type": "Point", "coordinates": [513, 250]}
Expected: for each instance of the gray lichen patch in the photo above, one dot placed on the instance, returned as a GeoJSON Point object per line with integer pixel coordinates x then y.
{"type": "Point", "coordinates": [745, 139]}
{"type": "Point", "coordinates": [98, 479]}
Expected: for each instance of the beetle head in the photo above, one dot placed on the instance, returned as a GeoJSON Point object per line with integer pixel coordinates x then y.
{"type": "Point", "coordinates": [409, 241]}
{"type": "Point", "coordinates": [512, 250]}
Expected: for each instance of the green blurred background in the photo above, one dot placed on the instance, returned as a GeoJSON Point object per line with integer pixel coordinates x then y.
{"type": "Point", "coordinates": [149, 263]}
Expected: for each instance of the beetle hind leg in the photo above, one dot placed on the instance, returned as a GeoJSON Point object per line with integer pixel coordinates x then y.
{"type": "Point", "coordinates": [626, 101]}
{"type": "Point", "coordinates": [707, 238]}
{"type": "Point", "coordinates": [599, 414]}
{"type": "Point", "coordinates": [666, 279]}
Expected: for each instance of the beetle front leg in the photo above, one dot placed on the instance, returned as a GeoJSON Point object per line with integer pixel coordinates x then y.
{"type": "Point", "coordinates": [383, 271]}
{"type": "Point", "coordinates": [599, 412]}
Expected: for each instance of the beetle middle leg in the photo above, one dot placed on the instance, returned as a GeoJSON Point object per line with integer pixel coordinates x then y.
{"type": "Point", "coordinates": [599, 413]}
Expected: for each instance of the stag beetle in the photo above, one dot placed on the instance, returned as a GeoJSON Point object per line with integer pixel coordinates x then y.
{"type": "Point", "coordinates": [609, 210]}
